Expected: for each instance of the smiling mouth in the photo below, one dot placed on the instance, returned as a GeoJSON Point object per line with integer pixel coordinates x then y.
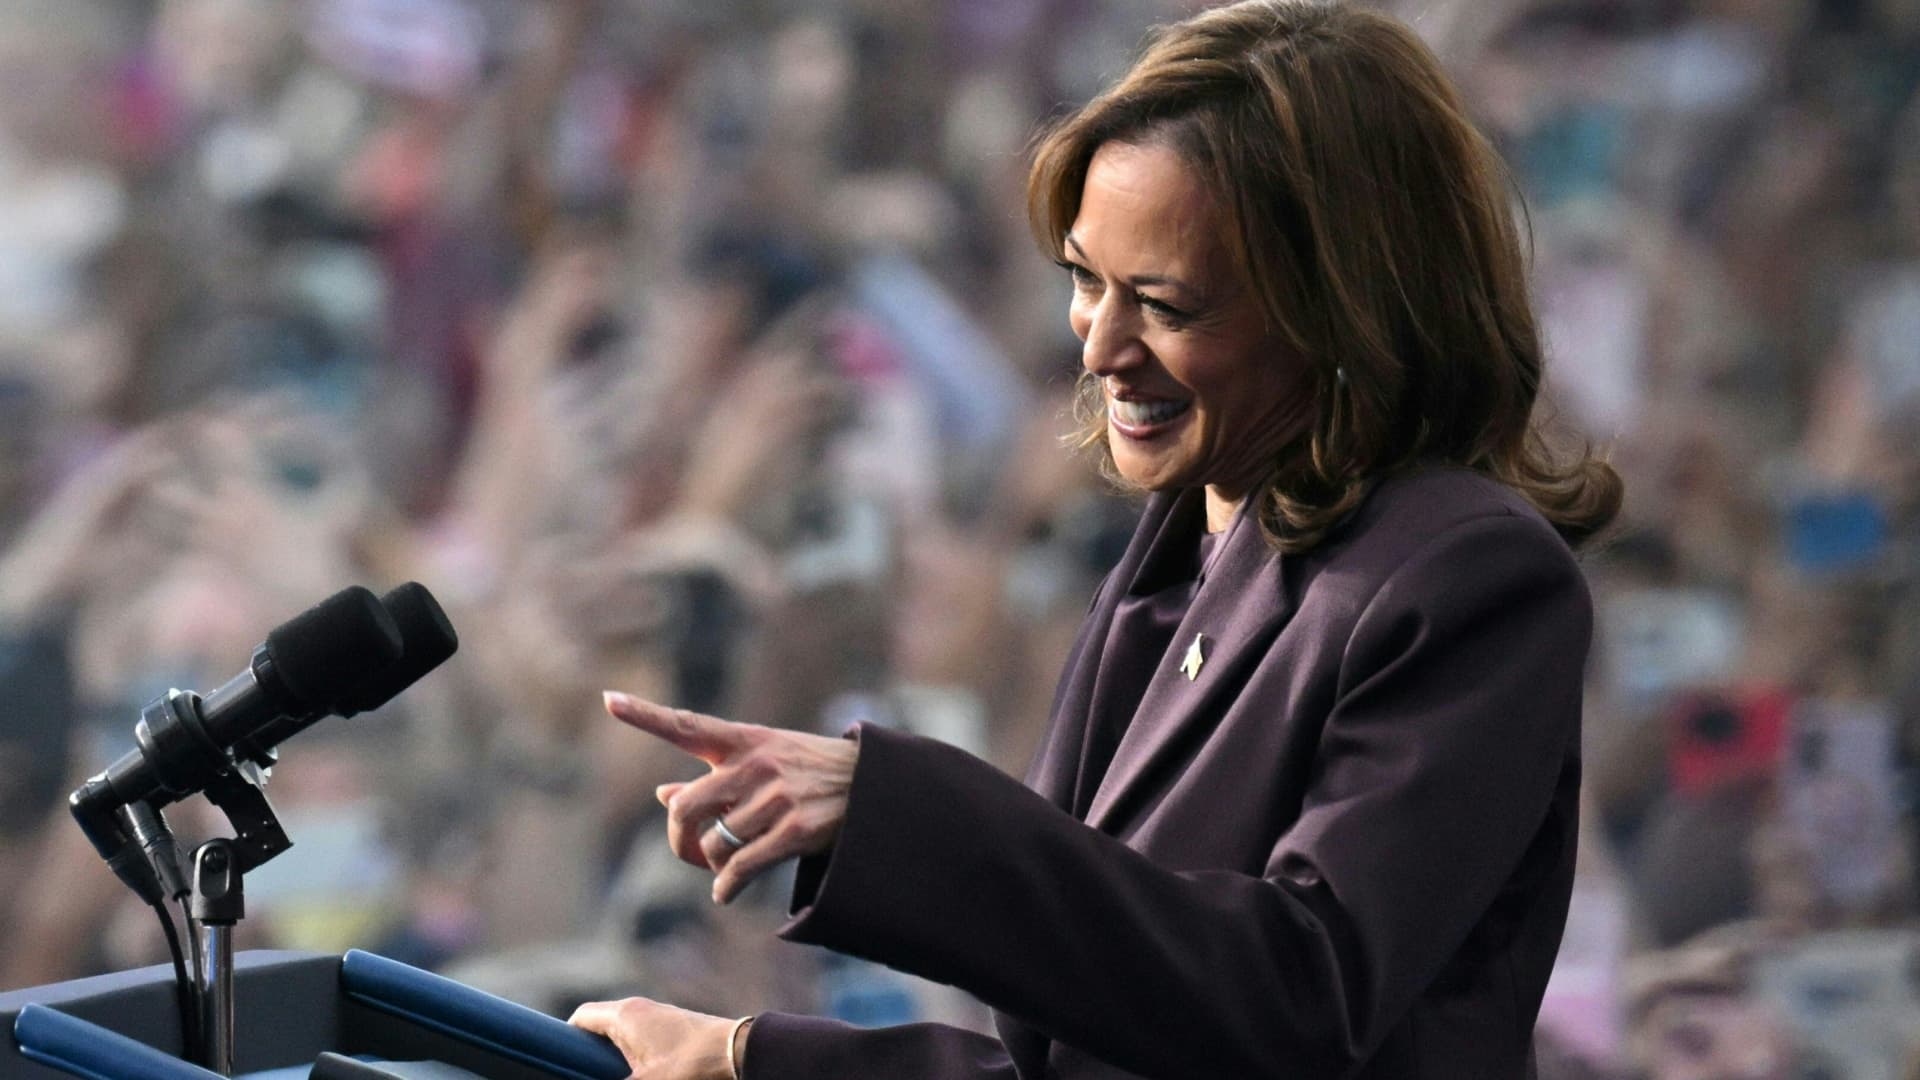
{"type": "Point", "coordinates": [1139, 417]}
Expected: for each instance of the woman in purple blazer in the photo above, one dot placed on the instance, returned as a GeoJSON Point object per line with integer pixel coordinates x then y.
{"type": "Point", "coordinates": [1306, 806]}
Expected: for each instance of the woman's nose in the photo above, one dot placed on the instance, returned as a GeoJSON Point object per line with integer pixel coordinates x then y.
{"type": "Point", "coordinates": [1108, 340]}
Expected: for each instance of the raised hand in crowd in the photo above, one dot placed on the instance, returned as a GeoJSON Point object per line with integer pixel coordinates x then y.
{"type": "Point", "coordinates": [761, 434]}
{"type": "Point", "coordinates": [511, 458]}
{"type": "Point", "coordinates": [59, 549]}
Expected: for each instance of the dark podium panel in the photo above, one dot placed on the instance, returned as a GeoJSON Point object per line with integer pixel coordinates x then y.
{"type": "Point", "coordinates": [369, 1016]}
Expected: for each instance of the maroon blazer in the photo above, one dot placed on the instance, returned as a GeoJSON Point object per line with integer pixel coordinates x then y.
{"type": "Point", "coordinates": [1344, 849]}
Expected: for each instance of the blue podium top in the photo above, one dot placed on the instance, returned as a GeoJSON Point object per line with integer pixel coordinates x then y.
{"type": "Point", "coordinates": [290, 1008]}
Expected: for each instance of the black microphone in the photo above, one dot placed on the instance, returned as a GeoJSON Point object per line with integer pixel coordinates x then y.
{"type": "Point", "coordinates": [306, 669]}
{"type": "Point", "coordinates": [426, 637]}
{"type": "Point", "coordinates": [427, 640]}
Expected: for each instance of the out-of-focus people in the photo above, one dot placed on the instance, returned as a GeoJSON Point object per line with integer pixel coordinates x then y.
{"type": "Point", "coordinates": [572, 310]}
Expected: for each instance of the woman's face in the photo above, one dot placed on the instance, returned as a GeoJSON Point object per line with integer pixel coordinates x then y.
{"type": "Point", "coordinates": [1197, 390]}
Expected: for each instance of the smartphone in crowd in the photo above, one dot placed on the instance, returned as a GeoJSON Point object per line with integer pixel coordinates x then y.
{"type": "Point", "coordinates": [1719, 736]}
{"type": "Point", "coordinates": [1851, 998]}
{"type": "Point", "coordinates": [1835, 532]}
{"type": "Point", "coordinates": [1840, 798]}
{"type": "Point", "coordinates": [1656, 640]}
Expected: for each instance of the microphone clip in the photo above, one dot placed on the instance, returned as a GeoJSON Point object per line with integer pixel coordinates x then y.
{"type": "Point", "coordinates": [241, 795]}
{"type": "Point", "coordinates": [181, 759]}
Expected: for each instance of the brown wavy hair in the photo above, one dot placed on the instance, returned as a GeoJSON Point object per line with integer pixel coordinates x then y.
{"type": "Point", "coordinates": [1372, 219]}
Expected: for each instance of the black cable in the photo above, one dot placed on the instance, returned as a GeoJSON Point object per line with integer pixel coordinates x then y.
{"type": "Point", "coordinates": [183, 989]}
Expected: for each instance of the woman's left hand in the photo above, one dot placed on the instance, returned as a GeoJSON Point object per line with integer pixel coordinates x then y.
{"type": "Point", "coordinates": [659, 1041]}
{"type": "Point", "coordinates": [783, 793]}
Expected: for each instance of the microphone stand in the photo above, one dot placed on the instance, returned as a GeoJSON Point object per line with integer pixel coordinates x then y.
{"type": "Point", "coordinates": [218, 898]}
{"type": "Point", "coordinates": [141, 850]}
{"type": "Point", "coordinates": [219, 901]}
{"type": "Point", "coordinates": [222, 746]}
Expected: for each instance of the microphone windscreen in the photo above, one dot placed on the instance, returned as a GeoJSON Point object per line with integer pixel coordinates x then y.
{"type": "Point", "coordinates": [332, 645]}
{"type": "Point", "coordinates": [427, 639]}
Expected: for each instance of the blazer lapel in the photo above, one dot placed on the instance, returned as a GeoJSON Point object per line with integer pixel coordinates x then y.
{"type": "Point", "coordinates": [1242, 602]}
{"type": "Point", "coordinates": [1056, 766]}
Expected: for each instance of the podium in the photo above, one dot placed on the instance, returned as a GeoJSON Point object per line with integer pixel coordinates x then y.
{"type": "Point", "coordinates": [298, 1015]}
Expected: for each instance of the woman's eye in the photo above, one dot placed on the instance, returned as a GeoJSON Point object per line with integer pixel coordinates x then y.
{"type": "Point", "coordinates": [1086, 282]}
{"type": "Point", "coordinates": [1164, 311]}
{"type": "Point", "coordinates": [1082, 277]}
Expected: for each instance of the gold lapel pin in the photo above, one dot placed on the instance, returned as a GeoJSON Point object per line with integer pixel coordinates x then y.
{"type": "Point", "coordinates": [1190, 666]}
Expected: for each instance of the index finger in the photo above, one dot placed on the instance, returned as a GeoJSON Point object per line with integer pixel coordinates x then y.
{"type": "Point", "coordinates": [708, 738]}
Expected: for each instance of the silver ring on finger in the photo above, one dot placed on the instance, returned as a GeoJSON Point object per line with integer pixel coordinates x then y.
{"type": "Point", "coordinates": [727, 835]}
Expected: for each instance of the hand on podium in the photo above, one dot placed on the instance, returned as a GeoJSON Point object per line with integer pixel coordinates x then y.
{"type": "Point", "coordinates": [662, 1042]}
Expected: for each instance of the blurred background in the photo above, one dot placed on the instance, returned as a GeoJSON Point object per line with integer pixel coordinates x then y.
{"type": "Point", "coordinates": [700, 350]}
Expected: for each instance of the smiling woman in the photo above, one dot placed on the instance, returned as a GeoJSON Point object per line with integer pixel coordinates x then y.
{"type": "Point", "coordinates": [1198, 387]}
{"type": "Point", "coordinates": [1307, 800]}
{"type": "Point", "coordinates": [1333, 178]}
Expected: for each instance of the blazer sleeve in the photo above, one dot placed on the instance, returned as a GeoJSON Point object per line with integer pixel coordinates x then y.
{"type": "Point", "coordinates": [1457, 707]}
{"type": "Point", "coordinates": [782, 1045]}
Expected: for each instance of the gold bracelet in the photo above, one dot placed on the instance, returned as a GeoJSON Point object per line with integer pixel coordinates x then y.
{"type": "Point", "coordinates": [733, 1045]}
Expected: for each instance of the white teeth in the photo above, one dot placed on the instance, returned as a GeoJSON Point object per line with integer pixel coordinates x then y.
{"type": "Point", "coordinates": [1146, 413]}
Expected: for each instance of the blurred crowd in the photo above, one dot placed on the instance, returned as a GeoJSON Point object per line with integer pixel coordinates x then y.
{"type": "Point", "coordinates": [701, 350]}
